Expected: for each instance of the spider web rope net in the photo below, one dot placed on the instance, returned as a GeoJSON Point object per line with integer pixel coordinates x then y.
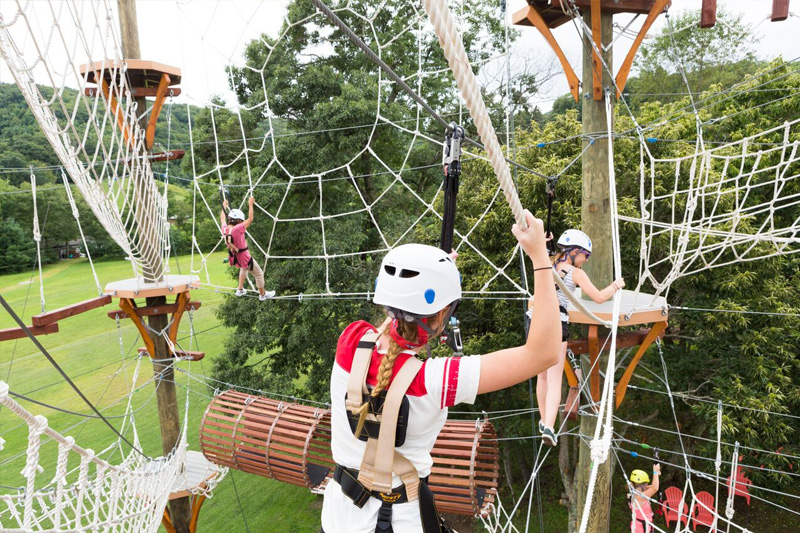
{"type": "Point", "coordinates": [93, 130]}
{"type": "Point", "coordinates": [225, 155]}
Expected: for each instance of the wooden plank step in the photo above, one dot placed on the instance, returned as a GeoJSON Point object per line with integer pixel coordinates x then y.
{"type": "Point", "coordinates": [17, 333]}
{"type": "Point", "coordinates": [184, 354]}
{"type": "Point", "coordinates": [70, 310]}
{"type": "Point", "coordinates": [154, 310]}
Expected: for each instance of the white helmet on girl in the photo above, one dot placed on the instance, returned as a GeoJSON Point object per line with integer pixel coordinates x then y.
{"type": "Point", "coordinates": [575, 238]}
{"type": "Point", "coordinates": [418, 280]}
{"type": "Point", "coordinates": [236, 214]}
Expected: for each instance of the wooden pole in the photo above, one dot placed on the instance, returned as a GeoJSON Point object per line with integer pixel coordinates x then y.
{"type": "Point", "coordinates": [596, 222]}
{"type": "Point", "coordinates": [153, 267]}
{"type": "Point", "coordinates": [168, 418]}
{"type": "Point", "coordinates": [180, 509]}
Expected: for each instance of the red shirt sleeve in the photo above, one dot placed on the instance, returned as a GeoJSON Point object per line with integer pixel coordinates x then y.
{"type": "Point", "coordinates": [348, 342]}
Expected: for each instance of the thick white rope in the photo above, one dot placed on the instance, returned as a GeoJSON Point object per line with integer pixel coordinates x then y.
{"type": "Point", "coordinates": [75, 213]}
{"type": "Point", "coordinates": [453, 47]}
{"type": "Point", "coordinates": [37, 236]}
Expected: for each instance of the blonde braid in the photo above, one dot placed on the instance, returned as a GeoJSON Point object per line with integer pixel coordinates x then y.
{"type": "Point", "coordinates": [408, 331]}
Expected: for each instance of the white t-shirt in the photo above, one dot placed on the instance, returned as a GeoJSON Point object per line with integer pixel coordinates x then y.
{"type": "Point", "coordinates": [441, 383]}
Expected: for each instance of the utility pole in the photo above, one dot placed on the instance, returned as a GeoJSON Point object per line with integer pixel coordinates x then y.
{"type": "Point", "coordinates": [180, 510]}
{"type": "Point", "coordinates": [596, 222]}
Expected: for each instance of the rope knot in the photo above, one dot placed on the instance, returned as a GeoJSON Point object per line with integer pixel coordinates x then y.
{"type": "Point", "coordinates": [599, 450]}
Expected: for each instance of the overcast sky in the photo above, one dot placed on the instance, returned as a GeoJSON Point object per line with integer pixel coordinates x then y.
{"type": "Point", "coordinates": [202, 36]}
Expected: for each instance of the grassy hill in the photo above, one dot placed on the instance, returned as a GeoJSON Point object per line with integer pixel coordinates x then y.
{"type": "Point", "coordinates": [101, 360]}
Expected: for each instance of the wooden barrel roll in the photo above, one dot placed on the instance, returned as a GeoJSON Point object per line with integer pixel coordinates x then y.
{"type": "Point", "coordinates": [279, 440]}
{"type": "Point", "coordinates": [466, 463]}
{"type": "Point", "coordinates": [292, 443]}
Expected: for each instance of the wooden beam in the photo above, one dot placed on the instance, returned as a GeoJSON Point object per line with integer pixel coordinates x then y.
{"type": "Point", "coordinates": [533, 16]}
{"type": "Point", "coordinates": [161, 95]}
{"type": "Point", "coordinates": [18, 333]}
{"type": "Point", "coordinates": [625, 69]}
{"type": "Point", "coordinates": [708, 14]}
{"type": "Point", "coordinates": [152, 311]}
{"type": "Point", "coordinates": [129, 307]}
{"type": "Point", "coordinates": [189, 355]}
{"type": "Point", "coordinates": [780, 10]}
{"type": "Point", "coordinates": [181, 301]}
{"type": "Point", "coordinates": [70, 310]}
{"type": "Point", "coordinates": [597, 37]}
{"type": "Point", "coordinates": [624, 340]}
{"type": "Point", "coordinates": [594, 355]}
{"type": "Point", "coordinates": [115, 107]}
{"type": "Point", "coordinates": [137, 92]}
{"type": "Point", "coordinates": [655, 332]}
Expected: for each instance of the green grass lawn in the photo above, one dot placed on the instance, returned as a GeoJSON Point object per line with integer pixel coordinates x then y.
{"type": "Point", "coordinates": [101, 361]}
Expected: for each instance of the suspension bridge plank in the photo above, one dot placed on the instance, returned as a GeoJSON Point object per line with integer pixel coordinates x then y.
{"type": "Point", "coordinates": [70, 310]}
{"type": "Point", "coordinates": [18, 333]}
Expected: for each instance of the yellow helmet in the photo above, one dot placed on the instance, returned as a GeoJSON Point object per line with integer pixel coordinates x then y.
{"type": "Point", "coordinates": [639, 476]}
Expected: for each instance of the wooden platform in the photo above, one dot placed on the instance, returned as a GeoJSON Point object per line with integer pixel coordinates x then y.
{"type": "Point", "coordinates": [143, 76]}
{"type": "Point", "coordinates": [197, 473]}
{"type": "Point", "coordinates": [135, 288]}
{"type": "Point", "coordinates": [642, 308]}
{"type": "Point", "coordinates": [553, 14]}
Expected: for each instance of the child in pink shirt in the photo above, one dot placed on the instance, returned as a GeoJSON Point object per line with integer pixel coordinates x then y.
{"type": "Point", "coordinates": [234, 226]}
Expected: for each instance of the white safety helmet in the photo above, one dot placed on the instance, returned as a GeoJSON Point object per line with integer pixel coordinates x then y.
{"type": "Point", "coordinates": [418, 280]}
{"type": "Point", "coordinates": [236, 214]}
{"type": "Point", "coordinates": [575, 238]}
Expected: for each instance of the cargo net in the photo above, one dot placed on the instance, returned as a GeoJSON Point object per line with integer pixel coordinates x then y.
{"type": "Point", "coordinates": [65, 58]}
{"type": "Point", "coordinates": [85, 492]}
{"type": "Point", "coordinates": [380, 188]}
{"type": "Point", "coordinates": [727, 204]}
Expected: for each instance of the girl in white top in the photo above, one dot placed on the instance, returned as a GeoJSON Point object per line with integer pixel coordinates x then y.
{"type": "Point", "coordinates": [576, 248]}
{"type": "Point", "coordinates": [420, 286]}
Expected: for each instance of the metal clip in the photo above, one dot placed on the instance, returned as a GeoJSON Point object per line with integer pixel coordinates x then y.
{"type": "Point", "coordinates": [451, 152]}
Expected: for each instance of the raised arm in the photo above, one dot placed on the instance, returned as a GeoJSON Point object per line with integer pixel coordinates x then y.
{"type": "Point", "coordinates": [653, 488]}
{"type": "Point", "coordinates": [250, 202]}
{"type": "Point", "coordinates": [598, 296]}
{"type": "Point", "coordinates": [223, 218]}
{"type": "Point", "coordinates": [508, 367]}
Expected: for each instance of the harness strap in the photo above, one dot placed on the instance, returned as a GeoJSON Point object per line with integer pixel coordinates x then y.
{"type": "Point", "coordinates": [357, 382]}
{"type": "Point", "coordinates": [381, 458]}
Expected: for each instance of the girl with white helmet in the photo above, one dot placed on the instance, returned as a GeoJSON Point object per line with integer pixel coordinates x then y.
{"type": "Point", "coordinates": [419, 286]}
{"type": "Point", "coordinates": [234, 226]}
{"type": "Point", "coordinates": [576, 248]}
{"type": "Point", "coordinates": [643, 491]}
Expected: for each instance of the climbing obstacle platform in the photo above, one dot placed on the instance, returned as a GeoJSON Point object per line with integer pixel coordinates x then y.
{"type": "Point", "coordinates": [291, 443]}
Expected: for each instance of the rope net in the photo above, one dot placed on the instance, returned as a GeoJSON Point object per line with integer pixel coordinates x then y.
{"type": "Point", "coordinates": [726, 204]}
{"type": "Point", "coordinates": [55, 51]}
{"type": "Point", "coordinates": [94, 495]}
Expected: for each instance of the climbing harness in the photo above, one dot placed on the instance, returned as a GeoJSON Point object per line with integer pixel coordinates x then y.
{"type": "Point", "coordinates": [386, 425]}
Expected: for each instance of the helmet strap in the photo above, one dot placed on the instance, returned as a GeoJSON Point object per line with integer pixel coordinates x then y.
{"type": "Point", "coordinates": [405, 343]}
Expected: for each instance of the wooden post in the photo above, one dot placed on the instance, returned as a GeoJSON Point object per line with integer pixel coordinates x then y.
{"type": "Point", "coordinates": [152, 264]}
{"type": "Point", "coordinates": [168, 417]}
{"type": "Point", "coordinates": [596, 222]}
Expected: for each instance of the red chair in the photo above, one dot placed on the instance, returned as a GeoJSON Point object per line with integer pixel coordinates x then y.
{"type": "Point", "coordinates": [674, 495]}
{"type": "Point", "coordinates": [704, 510]}
{"type": "Point", "coordinates": [742, 486]}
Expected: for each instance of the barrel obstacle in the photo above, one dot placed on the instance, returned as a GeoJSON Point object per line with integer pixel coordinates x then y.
{"type": "Point", "coordinates": [290, 442]}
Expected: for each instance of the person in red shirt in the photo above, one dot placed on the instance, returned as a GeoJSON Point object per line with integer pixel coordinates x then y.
{"type": "Point", "coordinates": [234, 226]}
{"type": "Point", "coordinates": [419, 287]}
